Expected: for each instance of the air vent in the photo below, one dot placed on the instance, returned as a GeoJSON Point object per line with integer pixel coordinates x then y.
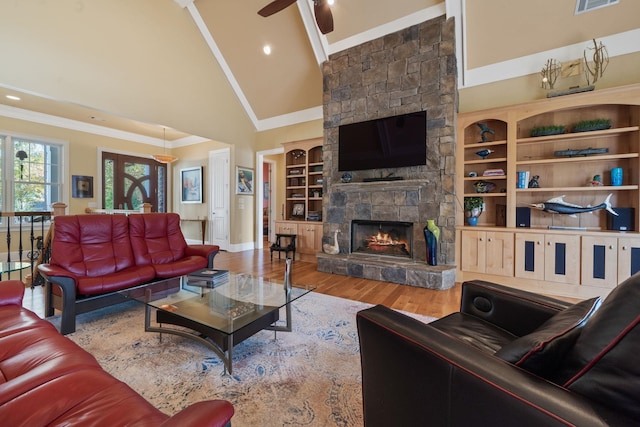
{"type": "Point", "coordinates": [589, 5]}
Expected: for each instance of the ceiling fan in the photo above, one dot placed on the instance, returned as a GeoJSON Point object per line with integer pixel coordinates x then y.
{"type": "Point", "coordinates": [321, 9]}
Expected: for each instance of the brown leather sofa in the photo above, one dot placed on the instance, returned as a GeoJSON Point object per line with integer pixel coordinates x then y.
{"type": "Point", "coordinates": [95, 256]}
{"type": "Point", "coordinates": [47, 380]}
{"type": "Point", "coordinates": [508, 358]}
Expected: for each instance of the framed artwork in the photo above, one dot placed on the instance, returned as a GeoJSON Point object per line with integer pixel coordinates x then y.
{"type": "Point", "coordinates": [297, 210]}
{"type": "Point", "coordinates": [191, 180]}
{"type": "Point", "coordinates": [81, 186]}
{"type": "Point", "coordinates": [244, 181]}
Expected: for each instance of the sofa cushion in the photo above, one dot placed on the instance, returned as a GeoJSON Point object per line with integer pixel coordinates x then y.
{"type": "Point", "coordinates": [474, 331]}
{"type": "Point", "coordinates": [88, 396]}
{"type": "Point", "coordinates": [157, 240]}
{"type": "Point", "coordinates": [541, 351]}
{"type": "Point", "coordinates": [602, 365]}
{"type": "Point", "coordinates": [92, 245]}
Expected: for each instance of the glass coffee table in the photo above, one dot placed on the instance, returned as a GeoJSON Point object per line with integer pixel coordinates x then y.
{"type": "Point", "coordinates": [218, 313]}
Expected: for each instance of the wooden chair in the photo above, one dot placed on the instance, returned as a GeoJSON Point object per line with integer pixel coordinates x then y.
{"type": "Point", "coordinates": [284, 243]}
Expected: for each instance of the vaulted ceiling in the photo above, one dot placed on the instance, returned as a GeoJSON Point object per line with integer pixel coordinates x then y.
{"type": "Point", "coordinates": [220, 55]}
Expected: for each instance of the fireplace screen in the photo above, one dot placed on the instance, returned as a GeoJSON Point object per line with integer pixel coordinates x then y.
{"type": "Point", "coordinates": [382, 238]}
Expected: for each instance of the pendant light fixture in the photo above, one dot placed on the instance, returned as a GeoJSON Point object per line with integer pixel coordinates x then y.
{"type": "Point", "coordinates": [164, 157]}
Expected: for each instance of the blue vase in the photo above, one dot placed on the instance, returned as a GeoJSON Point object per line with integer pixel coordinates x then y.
{"type": "Point", "coordinates": [472, 220]}
{"type": "Point", "coordinates": [431, 237]}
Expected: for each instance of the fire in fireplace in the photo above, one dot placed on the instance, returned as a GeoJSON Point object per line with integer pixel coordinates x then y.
{"type": "Point", "coordinates": [394, 238]}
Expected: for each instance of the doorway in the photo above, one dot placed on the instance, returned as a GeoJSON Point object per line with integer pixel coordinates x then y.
{"type": "Point", "coordinates": [129, 181]}
{"type": "Point", "coordinates": [260, 190]}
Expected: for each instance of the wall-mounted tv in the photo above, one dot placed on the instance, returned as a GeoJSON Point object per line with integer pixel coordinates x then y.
{"type": "Point", "coordinates": [390, 142]}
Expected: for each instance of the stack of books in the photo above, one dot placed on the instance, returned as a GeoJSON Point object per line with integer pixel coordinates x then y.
{"type": "Point", "coordinates": [208, 278]}
{"type": "Point", "coordinates": [493, 172]}
{"type": "Point", "coordinates": [523, 179]}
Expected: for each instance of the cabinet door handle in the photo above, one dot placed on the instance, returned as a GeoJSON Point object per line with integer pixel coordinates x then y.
{"type": "Point", "coordinates": [539, 242]}
{"type": "Point", "coordinates": [480, 239]}
{"type": "Point", "coordinates": [624, 248]}
{"type": "Point", "coordinates": [489, 239]}
{"type": "Point", "coordinates": [610, 247]}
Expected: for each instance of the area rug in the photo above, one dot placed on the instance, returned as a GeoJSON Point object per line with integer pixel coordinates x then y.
{"type": "Point", "coordinates": [308, 377]}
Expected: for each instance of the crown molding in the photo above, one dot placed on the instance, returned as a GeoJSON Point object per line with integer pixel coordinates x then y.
{"type": "Point", "coordinates": [49, 120]}
{"type": "Point", "coordinates": [617, 44]}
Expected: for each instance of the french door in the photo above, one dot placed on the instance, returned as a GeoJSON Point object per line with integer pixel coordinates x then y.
{"type": "Point", "coordinates": [130, 181]}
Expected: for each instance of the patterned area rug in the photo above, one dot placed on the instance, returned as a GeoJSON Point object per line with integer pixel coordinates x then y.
{"type": "Point", "coordinates": [309, 377]}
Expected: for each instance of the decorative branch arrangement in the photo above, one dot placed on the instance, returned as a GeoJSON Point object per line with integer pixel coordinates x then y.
{"type": "Point", "coordinates": [600, 62]}
{"type": "Point", "coordinates": [550, 73]}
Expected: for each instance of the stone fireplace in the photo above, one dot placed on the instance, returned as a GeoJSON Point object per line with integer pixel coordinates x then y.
{"type": "Point", "coordinates": [389, 238]}
{"type": "Point", "coordinates": [403, 72]}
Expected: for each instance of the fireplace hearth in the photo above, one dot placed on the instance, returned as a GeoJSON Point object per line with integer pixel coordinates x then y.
{"type": "Point", "coordinates": [391, 238]}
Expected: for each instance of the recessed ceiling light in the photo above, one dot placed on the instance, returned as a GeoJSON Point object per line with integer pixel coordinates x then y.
{"type": "Point", "coordinates": [330, 2]}
{"type": "Point", "coordinates": [13, 97]}
{"type": "Point", "coordinates": [266, 49]}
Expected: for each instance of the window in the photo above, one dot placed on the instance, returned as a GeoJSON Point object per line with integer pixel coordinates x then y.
{"type": "Point", "coordinates": [32, 174]}
{"type": "Point", "coordinates": [588, 5]}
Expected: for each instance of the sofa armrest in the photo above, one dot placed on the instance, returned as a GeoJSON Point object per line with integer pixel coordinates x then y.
{"type": "Point", "coordinates": [414, 374]}
{"type": "Point", "coordinates": [49, 270]}
{"type": "Point", "coordinates": [211, 413]}
{"type": "Point", "coordinates": [66, 280]}
{"type": "Point", "coordinates": [517, 311]}
{"type": "Point", "coordinates": [207, 251]}
{"type": "Point", "coordinates": [11, 292]}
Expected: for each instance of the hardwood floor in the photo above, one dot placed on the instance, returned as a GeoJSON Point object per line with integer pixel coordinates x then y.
{"type": "Point", "coordinates": [408, 298]}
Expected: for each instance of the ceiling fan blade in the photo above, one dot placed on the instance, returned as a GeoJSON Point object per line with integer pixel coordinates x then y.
{"type": "Point", "coordinates": [274, 7]}
{"type": "Point", "coordinates": [324, 18]}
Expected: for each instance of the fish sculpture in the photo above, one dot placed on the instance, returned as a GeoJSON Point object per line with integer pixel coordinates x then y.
{"type": "Point", "coordinates": [557, 205]}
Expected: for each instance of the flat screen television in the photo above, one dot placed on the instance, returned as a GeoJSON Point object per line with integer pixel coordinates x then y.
{"type": "Point", "coordinates": [390, 142]}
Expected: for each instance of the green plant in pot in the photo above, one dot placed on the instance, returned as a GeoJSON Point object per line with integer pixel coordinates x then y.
{"type": "Point", "coordinates": [473, 209]}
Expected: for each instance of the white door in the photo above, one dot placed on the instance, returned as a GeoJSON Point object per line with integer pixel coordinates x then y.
{"type": "Point", "coordinates": [219, 198]}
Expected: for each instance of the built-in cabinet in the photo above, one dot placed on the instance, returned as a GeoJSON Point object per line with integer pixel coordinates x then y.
{"type": "Point", "coordinates": [562, 254]}
{"type": "Point", "coordinates": [487, 251]}
{"type": "Point", "coordinates": [303, 195]}
{"type": "Point", "coordinates": [550, 257]}
{"type": "Point", "coordinates": [309, 235]}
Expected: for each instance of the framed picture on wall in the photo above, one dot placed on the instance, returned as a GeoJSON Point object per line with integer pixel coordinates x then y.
{"type": "Point", "coordinates": [81, 186]}
{"type": "Point", "coordinates": [244, 181]}
{"type": "Point", "coordinates": [191, 180]}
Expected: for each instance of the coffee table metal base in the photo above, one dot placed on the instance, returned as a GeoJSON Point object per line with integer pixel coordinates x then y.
{"type": "Point", "coordinates": [222, 344]}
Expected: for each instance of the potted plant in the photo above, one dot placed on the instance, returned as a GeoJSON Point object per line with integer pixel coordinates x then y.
{"type": "Point", "coordinates": [473, 209]}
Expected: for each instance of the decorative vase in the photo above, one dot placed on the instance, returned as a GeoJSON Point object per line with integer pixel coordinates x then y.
{"type": "Point", "coordinates": [431, 237]}
{"type": "Point", "coordinates": [472, 215]}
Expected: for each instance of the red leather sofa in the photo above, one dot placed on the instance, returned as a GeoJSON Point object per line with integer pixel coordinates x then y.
{"type": "Point", "coordinates": [48, 380]}
{"type": "Point", "coordinates": [507, 358]}
{"type": "Point", "coordinates": [95, 256]}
